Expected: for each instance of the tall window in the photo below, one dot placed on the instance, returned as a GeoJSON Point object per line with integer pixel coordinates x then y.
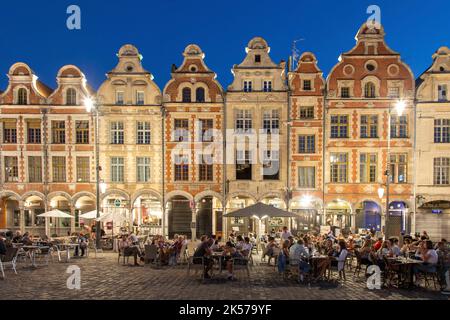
{"type": "Point", "coordinates": [140, 100]}
{"type": "Point", "coordinates": [34, 169]}
{"type": "Point", "coordinates": [117, 132]}
{"type": "Point", "coordinates": [34, 131]}
{"type": "Point", "coordinates": [257, 58]}
{"type": "Point", "coordinates": [243, 121]}
{"type": "Point", "coordinates": [143, 169]}
{"type": "Point", "coordinates": [247, 86]}
{"type": "Point", "coordinates": [399, 126]}
{"type": "Point", "coordinates": [369, 90]}
{"type": "Point", "coordinates": [9, 132]}
{"type": "Point", "coordinates": [442, 131]}
{"type": "Point", "coordinates": [441, 171]}
{"type": "Point", "coordinates": [398, 168]}
{"type": "Point", "coordinates": [307, 144]}
{"type": "Point", "coordinates": [206, 134]}
{"type": "Point", "coordinates": [200, 95]}
{"type": "Point", "coordinates": [339, 126]}
{"type": "Point", "coordinates": [58, 132]}
{"type": "Point", "coordinates": [186, 95]}
{"type": "Point", "coordinates": [307, 85]}
{"type": "Point", "coordinates": [22, 96]}
{"type": "Point", "coordinates": [339, 164]}
{"type": "Point", "coordinates": [345, 92]}
{"type": "Point", "coordinates": [367, 167]}
{"type": "Point", "coordinates": [306, 112]}
{"type": "Point", "coordinates": [181, 132]}
{"type": "Point", "coordinates": [181, 168]}
{"type": "Point", "coordinates": [11, 169]}
{"type": "Point", "coordinates": [83, 169]}
{"type": "Point", "coordinates": [243, 165]}
{"type": "Point", "coordinates": [82, 131]}
{"type": "Point", "coordinates": [267, 86]}
{"type": "Point", "coordinates": [71, 97]}
{"type": "Point", "coordinates": [143, 132]}
{"type": "Point", "coordinates": [306, 177]}
{"type": "Point", "coordinates": [442, 92]}
{"type": "Point", "coordinates": [59, 169]}
{"type": "Point", "coordinates": [369, 126]}
{"type": "Point", "coordinates": [117, 169]}
{"type": "Point", "coordinates": [205, 168]}
{"type": "Point", "coordinates": [271, 165]}
{"type": "Point", "coordinates": [271, 121]}
{"type": "Point", "coordinates": [119, 97]}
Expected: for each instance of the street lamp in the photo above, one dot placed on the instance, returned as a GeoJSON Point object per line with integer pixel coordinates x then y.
{"type": "Point", "coordinates": [399, 108]}
{"type": "Point", "coordinates": [92, 107]}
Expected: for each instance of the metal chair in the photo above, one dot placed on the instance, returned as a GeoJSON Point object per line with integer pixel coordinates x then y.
{"type": "Point", "coordinates": [241, 264]}
{"type": "Point", "coordinates": [196, 263]}
{"type": "Point", "coordinates": [10, 258]}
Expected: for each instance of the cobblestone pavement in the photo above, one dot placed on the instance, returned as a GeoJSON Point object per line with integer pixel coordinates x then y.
{"type": "Point", "coordinates": [104, 278]}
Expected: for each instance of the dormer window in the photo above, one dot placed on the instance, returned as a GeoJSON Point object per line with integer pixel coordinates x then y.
{"type": "Point", "coordinates": [257, 58]}
{"type": "Point", "coordinates": [247, 86]}
{"type": "Point", "coordinates": [186, 95]}
{"type": "Point", "coordinates": [140, 98]}
{"type": "Point", "coordinates": [369, 90]}
{"type": "Point", "coordinates": [71, 97]}
{"type": "Point", "coordinates": [119, 97]}
{"type": "Point", "coordinates": [200, 95]}
{"type": "Point", "coordinates": [307, 85]}
{"type": "Point", "coordinates": [345, 92]}
{"type": "Point", "coordinates": [442, 92]}
{"type": "Point", "coordinates": [22, 96]}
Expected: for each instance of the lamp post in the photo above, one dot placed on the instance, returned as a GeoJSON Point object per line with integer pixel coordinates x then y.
{"type": "Point", "coordinates": [92, 107]}
{"type": "Point", "coordinates": [400, 106]}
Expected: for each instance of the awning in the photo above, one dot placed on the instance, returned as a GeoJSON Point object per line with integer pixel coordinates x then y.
{"type": "Point", "coordinates": [261, 211]}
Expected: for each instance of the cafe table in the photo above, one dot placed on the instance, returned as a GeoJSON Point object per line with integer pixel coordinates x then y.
{"type": "Point", "coordinates": [67, 247]}
{"type": "Point", "coordinates": [218, 257]}
{"type": "Point", "coordinates": [319, 266]}
{"type": "Point", "coordinates": [30, 251]}
{"type": "Point", "coordinates": [406, 265]}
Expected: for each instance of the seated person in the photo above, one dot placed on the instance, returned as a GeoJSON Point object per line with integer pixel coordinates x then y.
{"type": "Point", "coordinates": [2, 244]}
{"type": "Point", "coordinates": [246, 248]}
{"type": "Point", "coordinates": [204, 251]}
{"type": "Point", "coordinates": [269, 248]}
{"type": "Point", "coordinates": [128, 249]}
{"type": "Point", "coordinates": [229, 253]}
{"type": "Point", "coordinates": [26, 239]}
{"type": "Point", "coordinates": [82, 241]}
{"type": "Point", "coordinates": [395, 248]}
{"type": "Point", "coordinates": [429, 257]}
{"type": "Point", "coordinates": [17, 237]}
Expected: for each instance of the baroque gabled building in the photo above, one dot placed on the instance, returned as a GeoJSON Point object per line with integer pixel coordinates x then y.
{"type": "Point", "coordinates": [306, 134]}
{"type": "Point", "coordinates": [193, 148]}
{"type": "Point", "coordinates": [46, 150]}
{"type": "Point", "coordinates": [130, 138]}
{"type": "Point", "coordinates": [362, 92]}
{"type": "Point", "coordinates": [433, 147]}
{"type": "Point", "coordinates": [256, 122]}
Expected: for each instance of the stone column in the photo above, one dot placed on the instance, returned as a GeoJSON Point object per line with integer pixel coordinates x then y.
{"type": "Point", "coordinates": [72, 221]}
{"type": "Point", "coordinates": [22, 216]}
{"type": "Point", "coordinates": [194, 224]}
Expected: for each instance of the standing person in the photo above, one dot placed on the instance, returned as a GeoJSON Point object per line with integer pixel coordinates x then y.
{"type": "Point", "coordinates": [283, 257]}
{"type": "Point", "coordinates": [285, 234]}
{"type": "Point", "coordinates": [82, 241]}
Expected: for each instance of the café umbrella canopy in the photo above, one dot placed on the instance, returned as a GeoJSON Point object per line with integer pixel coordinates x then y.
{"type": "Point", "coordinates": [91, 214]}
{"type": "Point", "coordinates": [261, 211]}
{"type": "Point", "coordinates": [55, 213]}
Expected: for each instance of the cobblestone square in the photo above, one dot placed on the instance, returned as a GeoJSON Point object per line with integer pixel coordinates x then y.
{"type": "Point", "coordinates": [104, 278]}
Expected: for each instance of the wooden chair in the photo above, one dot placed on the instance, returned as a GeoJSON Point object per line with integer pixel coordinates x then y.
{"type": "Point", "coordinates": [10, 258]}
{"type": "Point", "coordinates": [359, 263]}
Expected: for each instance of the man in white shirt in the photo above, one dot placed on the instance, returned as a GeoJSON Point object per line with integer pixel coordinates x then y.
{"type": "Point", "coordinates": [285, 234]}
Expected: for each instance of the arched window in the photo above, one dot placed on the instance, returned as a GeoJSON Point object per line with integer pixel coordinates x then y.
{"type": "Point", "coordinates": [22, 96]}
{"type": "Point", "coordinates": [186, 95]}
{"type": "Point", "coordinates": [71, 97]}
{"type": "Point", "coordinates": [369, 90]}
{"type": "Point", "coordinates": [200, 95]}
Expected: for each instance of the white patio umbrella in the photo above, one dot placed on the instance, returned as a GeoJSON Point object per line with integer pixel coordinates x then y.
{"type": "Point", "coordinates": [55, 213]}
{"type": "Point", "coordinates": [91, 214]}
{"type": "Point", "coordinates": [114, 217]}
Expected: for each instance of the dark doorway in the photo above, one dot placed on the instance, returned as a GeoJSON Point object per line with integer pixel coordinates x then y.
{"type": "Point", "coordinates": [180, 216]}
{"type": "Point", "coordinates": [204, 217]}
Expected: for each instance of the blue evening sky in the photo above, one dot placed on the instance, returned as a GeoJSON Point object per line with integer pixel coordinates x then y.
{"type": "Point", "coordinates": [35, 32]}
